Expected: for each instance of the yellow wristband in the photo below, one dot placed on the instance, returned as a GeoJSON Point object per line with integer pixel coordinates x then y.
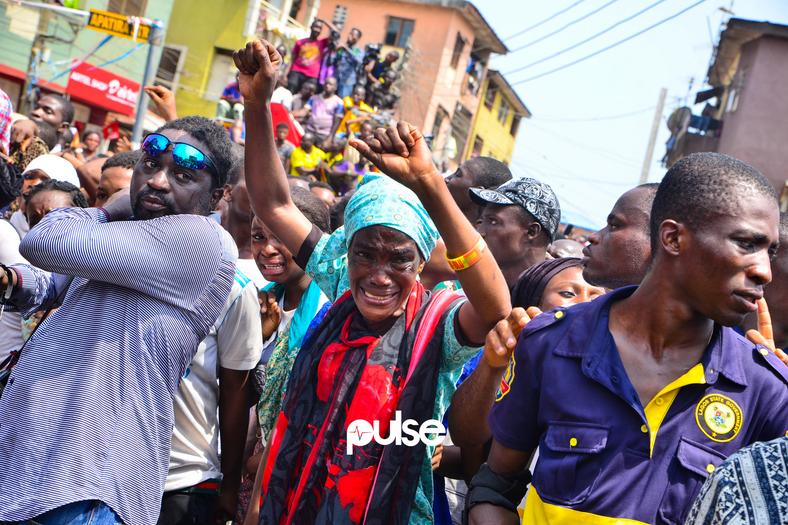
{"type": "Point", "coordinates": [465, 261]}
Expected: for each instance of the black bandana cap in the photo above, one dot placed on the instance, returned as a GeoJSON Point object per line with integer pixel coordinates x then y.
{"type": "Point", "coordinates": [537, 198]}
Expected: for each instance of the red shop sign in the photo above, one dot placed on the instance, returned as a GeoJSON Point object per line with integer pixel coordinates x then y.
{"type": "Point", "coordinates": [101, 88]}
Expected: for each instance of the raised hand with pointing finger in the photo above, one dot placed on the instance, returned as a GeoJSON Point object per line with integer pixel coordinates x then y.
{"type": "Point", "coordinates": [164, 99]}
{"type": "Point", "coordinates": [502, 339]}
{"type": "Point", "coordinates": [764, 335]}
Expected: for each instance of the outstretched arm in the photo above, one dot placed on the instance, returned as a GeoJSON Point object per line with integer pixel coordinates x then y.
{"type": "Point", "coordinates": [266, 179]}
{"type": "Point", "coordinates": [471, 403]}
{"type": "Point", "coordinates": [402, 154]}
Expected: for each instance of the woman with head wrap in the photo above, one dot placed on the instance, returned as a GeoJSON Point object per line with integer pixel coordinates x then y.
{"type": "Point", "coordinates": [553, 283]}
{"type": "Point", "coordinates": [387, 348]}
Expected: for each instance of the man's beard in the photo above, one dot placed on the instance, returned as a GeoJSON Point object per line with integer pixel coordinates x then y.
{"type": "Point", "coordinates": [140, 212]}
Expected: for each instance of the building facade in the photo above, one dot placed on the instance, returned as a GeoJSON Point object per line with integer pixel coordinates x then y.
{"type": "Point", "coordinates": [497, 120]}
{"type": "Point", "coordinates": [56, 52]}
{"type": "Point", "coordinates": [197, 60]}
{"type": "Point", "coordinates": [745, 110]}
{"type": "Point", "coordinates": [445, 47]}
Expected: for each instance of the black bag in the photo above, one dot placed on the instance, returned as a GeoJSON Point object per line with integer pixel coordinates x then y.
{"type": "Point", "coordinates": [10, 183]}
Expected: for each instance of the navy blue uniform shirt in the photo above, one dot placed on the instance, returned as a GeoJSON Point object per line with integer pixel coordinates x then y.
{"type": "Point", "coordinates": [603, 456]}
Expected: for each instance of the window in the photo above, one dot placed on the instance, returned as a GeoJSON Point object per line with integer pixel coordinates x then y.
{"type": "Point", "coordinates": [515, 125]}
{"type": "Point", "coordinates": [398, 31]}
{"type": "Point", "coordinates": [440, 115]}
{"type": "Point", "coordinates": [475, 74]}
{"type": "Point", "coordinates": [460, 128]}
{"type": "Point", "coordinates": [459, 45]}
{"type": "Point", "coordinates": [128, 7]}
{"type": "Point", "coordinates": [489, 96]}
{"type": "Point", "coordinates": [478, 145]}
{"type": "Point", "coordinates": [170, 66]}
{"type": "Point", "coordinates": [294, 9]}
{"type": "Point", "coordinates": [222, 73]}
{"type": "Point", "coordinates": [503, 111]}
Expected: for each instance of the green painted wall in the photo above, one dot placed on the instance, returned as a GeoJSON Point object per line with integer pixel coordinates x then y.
{"type": "Point", "coordinates": [202, 27]}
{"type": "Point", "coordinates": [15, 46]}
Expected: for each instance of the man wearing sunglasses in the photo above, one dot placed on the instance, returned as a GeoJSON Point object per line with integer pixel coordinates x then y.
{"type": "Point", "coordinates": [87, 413]}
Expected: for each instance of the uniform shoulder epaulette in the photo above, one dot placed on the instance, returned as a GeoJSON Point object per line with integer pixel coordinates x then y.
{"type": "Point", "coordinates": [774, 363]}
{"type": "Point", "coordinates": [544, 320]}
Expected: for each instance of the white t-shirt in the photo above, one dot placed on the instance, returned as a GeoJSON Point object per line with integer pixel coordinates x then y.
{"type": "Point", "coordinates": [19, 222]}
{"type": "Point", "coordinates": [11, 322]}
{"type": "Point", "coordinates": [249, 268]}
{"type": "Point", "coordinates": [234, 342]}
{"type": "Point", "coordinates": [282, 95]}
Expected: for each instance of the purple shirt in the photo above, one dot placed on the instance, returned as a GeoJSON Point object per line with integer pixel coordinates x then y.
{"type": "Point", "coordinates": [568, 393]}
{"type": "Point", "coordinates": [88, 410]}
{"type": "Point", "coordinates": [321, 119]}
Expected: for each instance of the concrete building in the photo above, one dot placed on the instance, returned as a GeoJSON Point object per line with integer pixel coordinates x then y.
{"type": "Point", "coordinates": [497, 121]}
{"type": "Point", "coordinates": [197, 60]}
{"type": "Point", "coordinates": [746, 109]}
{"type": "Point", "coordinates": [45, 43]}
{"type": "Point", "coordinates": [445, 47]}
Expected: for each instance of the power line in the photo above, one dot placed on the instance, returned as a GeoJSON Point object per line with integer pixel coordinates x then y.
{"type": "Point", "coordinates": [610, 155]}
{"type": "Point", "coordinates": [562, 28]}
{"type": "Point", "coordinates": [574, 178]}
{"type": "Point", "coordinates": [595, 119]}
{"type": "Point", "coordinates": [592, 37]}
{"type": "Point", "coordinates": [522, 32]}
{"type": "Point", "coordinates": [611, 46]}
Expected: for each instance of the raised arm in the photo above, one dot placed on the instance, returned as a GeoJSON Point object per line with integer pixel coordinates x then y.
{"type": "Point", "coordinates": [147, 256]}
{"type": "Point", "coordinates": [402, 154]}
{"type": "Point", "coordinates": [368, 70]}
{"type": "Point", "coordinates": [266, 179]}
{"type": "Point", "coordinates": [164, 100]}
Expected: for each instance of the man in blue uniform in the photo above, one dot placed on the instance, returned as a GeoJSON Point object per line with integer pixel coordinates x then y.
{"type": "Point", "coordinates": [635, 398]}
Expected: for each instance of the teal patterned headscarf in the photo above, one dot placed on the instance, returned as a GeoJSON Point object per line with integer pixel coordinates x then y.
{"type": "Point", "coordinates": [381, 201]}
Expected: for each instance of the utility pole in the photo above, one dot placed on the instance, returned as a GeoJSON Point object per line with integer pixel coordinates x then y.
{"type": "Point", "coordinates": [652, 140]}
{"type": "Point", "coordinates": [38, 48]}
{"type": "Point", "coordinates": [142, 99]}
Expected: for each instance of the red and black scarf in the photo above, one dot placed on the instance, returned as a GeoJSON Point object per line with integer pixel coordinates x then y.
{"type": "Point", "coordinates": [341, 374]}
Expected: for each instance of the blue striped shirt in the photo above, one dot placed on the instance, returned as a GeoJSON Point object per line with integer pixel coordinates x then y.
{"type": "Point", "coordinates": [87, 413]}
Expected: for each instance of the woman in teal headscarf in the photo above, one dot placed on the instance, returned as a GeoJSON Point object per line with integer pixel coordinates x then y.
{"type": "Point", "coordinates": [387, 348]}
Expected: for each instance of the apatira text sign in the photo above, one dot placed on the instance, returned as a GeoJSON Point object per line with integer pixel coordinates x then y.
{"type": "Point", "coordinates": [117, 24]}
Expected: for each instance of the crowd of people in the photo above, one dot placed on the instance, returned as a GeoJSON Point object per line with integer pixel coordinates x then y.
{"type": "Point", "coordinates": [192, 327]}
{"type": "Point", "coordinates": [331, 91]}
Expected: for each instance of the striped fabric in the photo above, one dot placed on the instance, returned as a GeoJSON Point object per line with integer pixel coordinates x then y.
{"type": "Point", "coordinates": [750, 488]}
{"type": "Point", "coordinates": [87, 413]}
{"type": "Point", "coordinates": [5, 121]}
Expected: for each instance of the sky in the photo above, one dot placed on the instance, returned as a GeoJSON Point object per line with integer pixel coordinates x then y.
{"type": "Point", "coordinates": [591, 122]}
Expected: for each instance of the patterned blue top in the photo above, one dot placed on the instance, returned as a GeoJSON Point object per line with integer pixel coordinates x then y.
{"type": "Point", "coordinates": [750, 488]}
{"type": "Point", "coordinates": [87, 413]}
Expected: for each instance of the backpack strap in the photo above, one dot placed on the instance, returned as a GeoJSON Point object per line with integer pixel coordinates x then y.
{"type": "Point", "coordinates": [429, 322]}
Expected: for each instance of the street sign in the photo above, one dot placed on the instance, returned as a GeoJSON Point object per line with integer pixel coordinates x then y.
{"type": "Point", "coordinates": [117, 24]}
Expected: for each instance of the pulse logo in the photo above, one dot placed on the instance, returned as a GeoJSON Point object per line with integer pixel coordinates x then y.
{"type": "Point", "coordinates": [361, 432]}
